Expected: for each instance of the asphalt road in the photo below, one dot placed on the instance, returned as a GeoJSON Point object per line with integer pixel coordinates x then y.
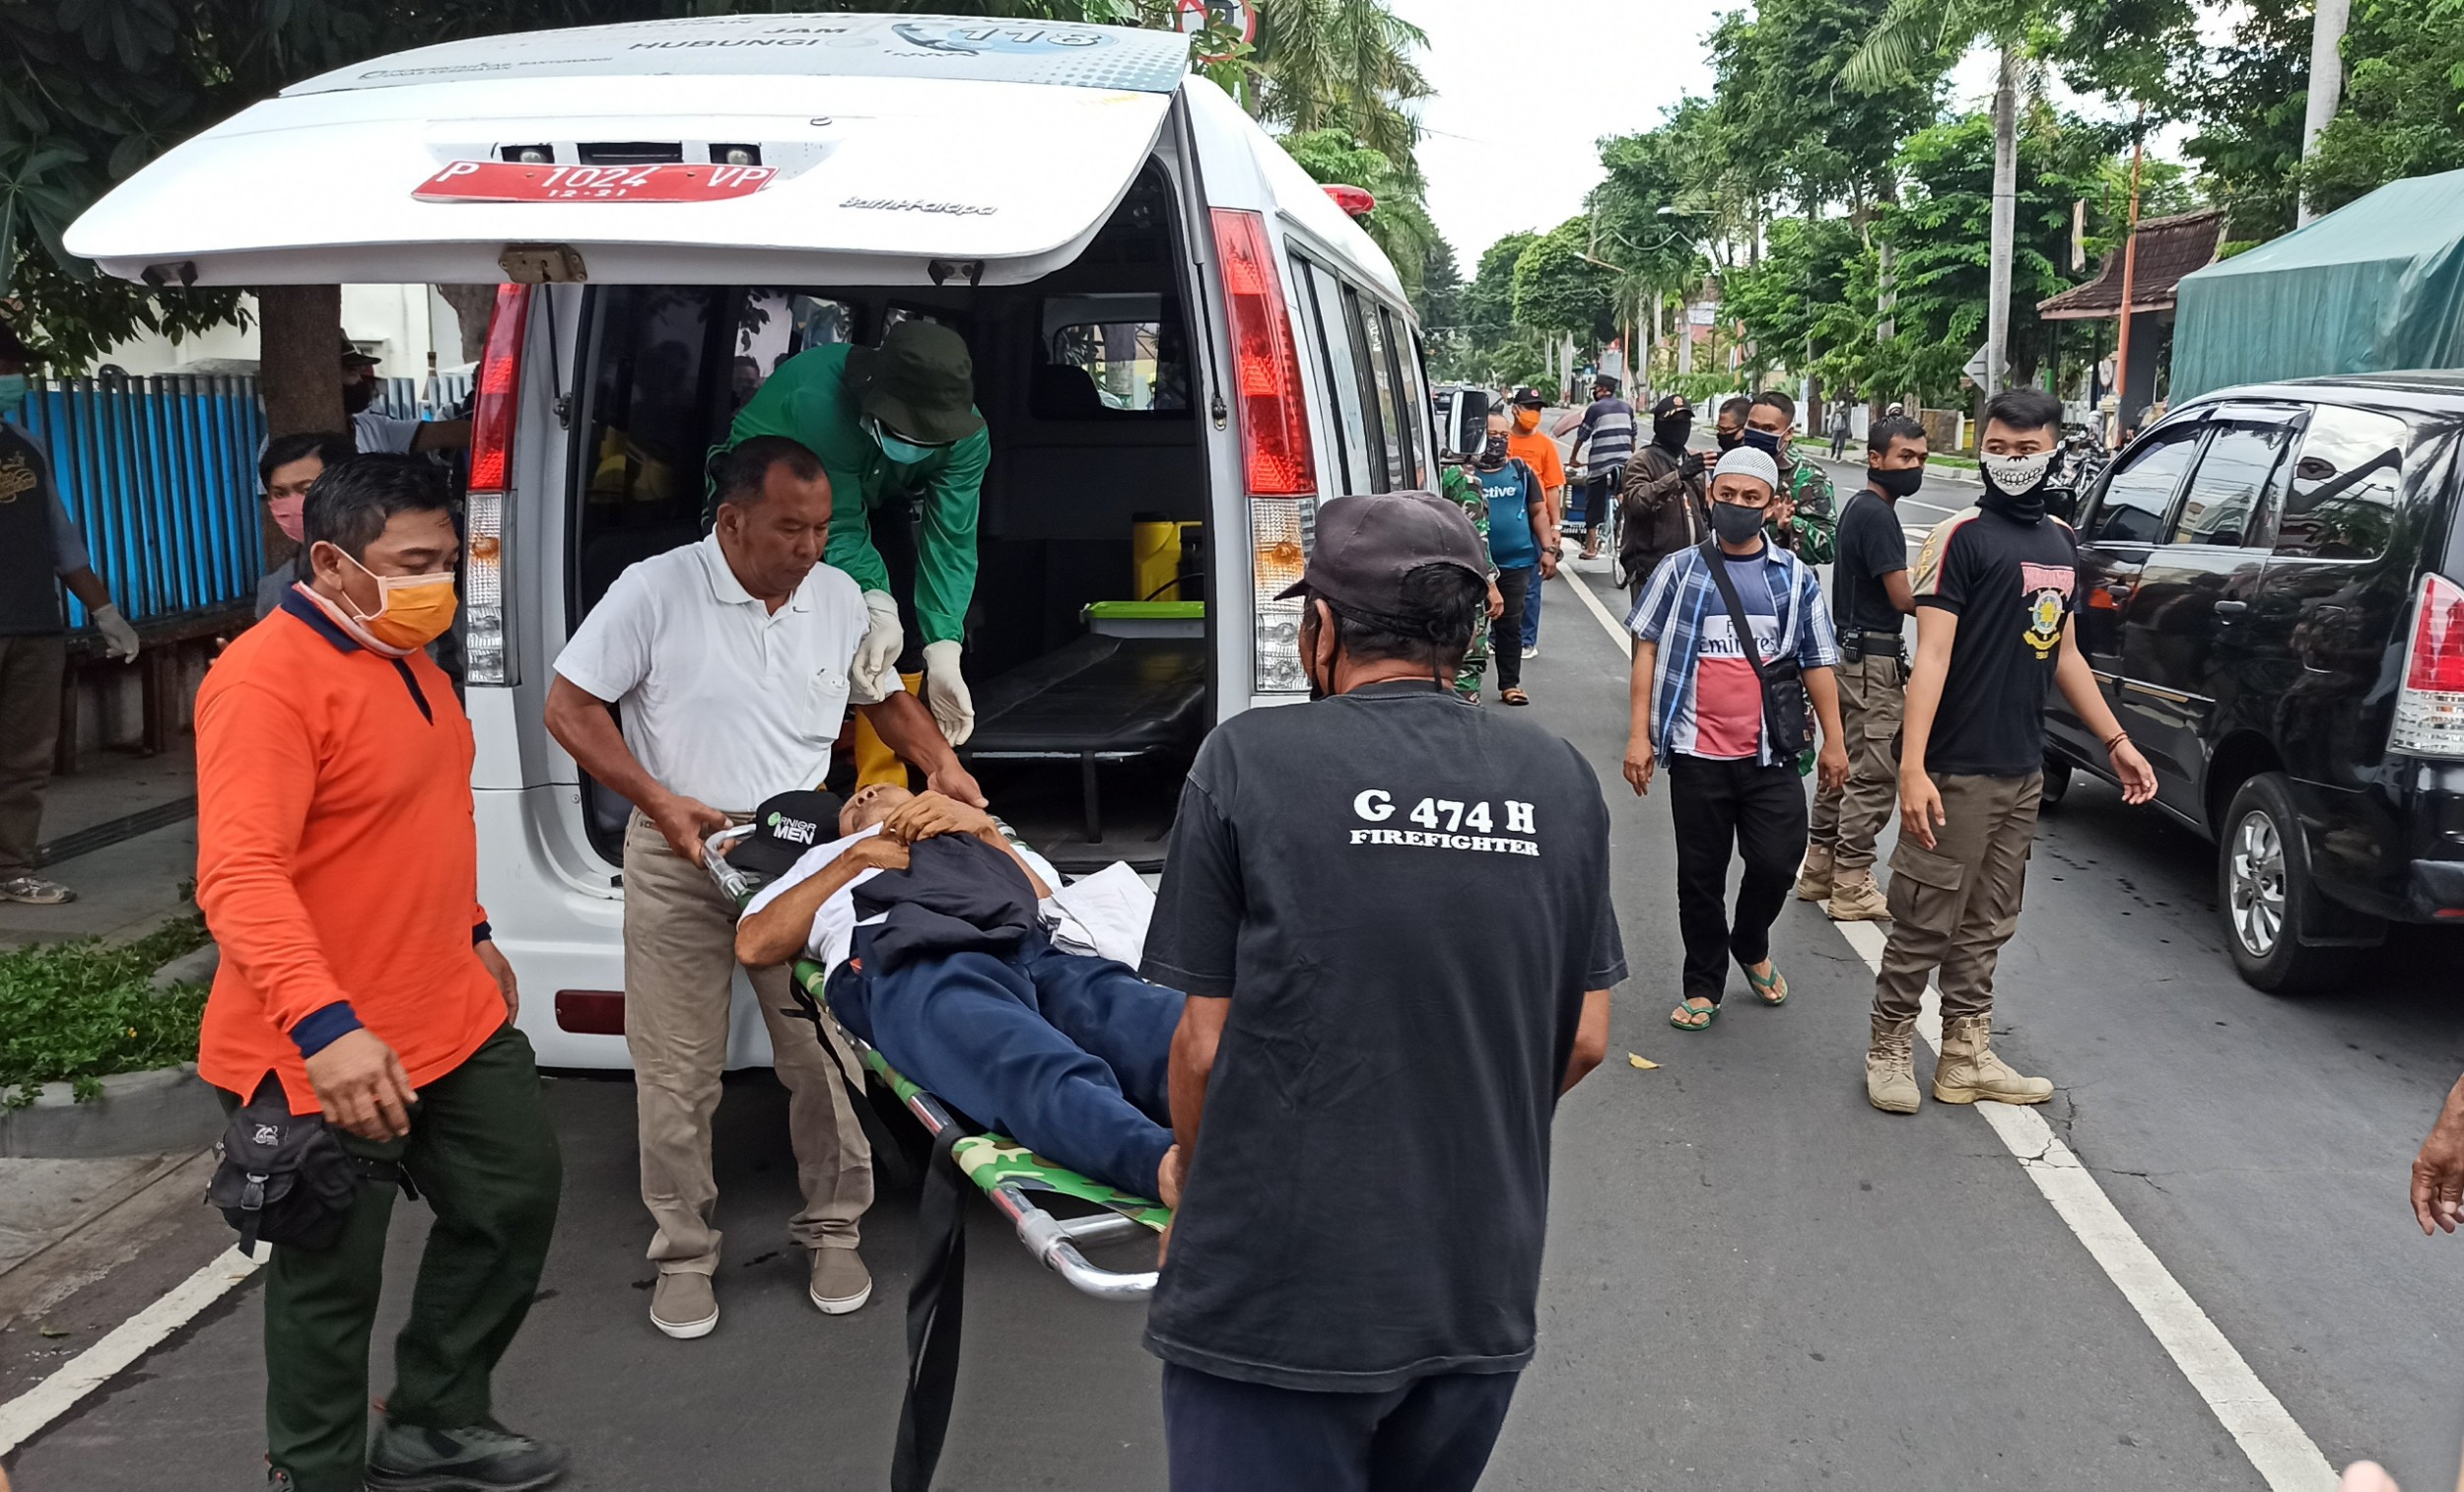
{"type": "Point", "coordinates": [1753, 1280]}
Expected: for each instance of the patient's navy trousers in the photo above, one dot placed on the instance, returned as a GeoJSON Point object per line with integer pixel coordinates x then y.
{"type": "Point", "coordinates": [1063, 1054]}
{"type": "Point", "coordinates": [1431, 1434]}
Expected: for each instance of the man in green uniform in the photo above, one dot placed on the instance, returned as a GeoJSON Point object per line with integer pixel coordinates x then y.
{"type": "Point", "coordinates": [1456, 485]}
{"type": "Point", "coordinates": [896, 428]}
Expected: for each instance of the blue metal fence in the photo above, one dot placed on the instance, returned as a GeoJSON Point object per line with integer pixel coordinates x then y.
{"type": "Point", "coordinates": [161, 473]}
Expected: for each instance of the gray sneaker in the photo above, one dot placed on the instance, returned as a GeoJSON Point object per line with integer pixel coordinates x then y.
{"type": "Point", "coordinates": [684, 1305]}
{"type": "Point", "coordinates": [34, 890]}
{"type": "Point", "coordinates": [480, 1458]}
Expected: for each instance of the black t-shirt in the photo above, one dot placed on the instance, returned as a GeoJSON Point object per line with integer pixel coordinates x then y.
{"type": "Point", "coordinates": [1871, 546]}
{"type": "Point", "coordinates": [1404, 898]}
{"type": "Point", "coordinates": [2010, 586]}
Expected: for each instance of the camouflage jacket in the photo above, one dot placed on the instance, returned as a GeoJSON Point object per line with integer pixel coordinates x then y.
{"type": "Point", "coordinates": [1457, 486]}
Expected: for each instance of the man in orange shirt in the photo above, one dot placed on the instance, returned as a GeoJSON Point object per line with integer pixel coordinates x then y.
{"type": "Point", "coordinates": [1528, 443]}
{"type": "Point", "coordinates": [337, 866]}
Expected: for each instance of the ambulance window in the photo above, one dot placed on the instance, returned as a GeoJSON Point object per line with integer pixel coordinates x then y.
{"type": "Point", "coordinates": [1343, 380]}
{"type": "Point", "coordinates": [659, 395]}
{"type": "Point", "coordinates": [1377, 391]}
{"type": "Point", "coordinates": [1401, 399]}
{"type": "Point", "coordinates": [774, 325]}
{"type": "Point", "coordinates": [1108, 355]}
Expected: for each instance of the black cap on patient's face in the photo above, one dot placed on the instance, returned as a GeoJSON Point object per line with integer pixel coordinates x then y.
{"type": "Point", "coordinates": [783, 828]}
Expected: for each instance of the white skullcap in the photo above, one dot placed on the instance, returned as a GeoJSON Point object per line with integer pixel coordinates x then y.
{"type": "Point", "coordinates": [1746, 461]}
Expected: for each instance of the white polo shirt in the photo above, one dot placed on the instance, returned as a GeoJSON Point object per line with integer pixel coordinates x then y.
{"type": "Point", "coordinates": [722, 699]}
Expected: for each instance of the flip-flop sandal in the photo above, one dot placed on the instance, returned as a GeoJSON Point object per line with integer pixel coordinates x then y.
{"type": "Point", "coordinates": [1708, 1016]}
{"type": "Point", "coordinates": [1772, 991]}
{"type": "Point", "coordinates": [1516, 697]}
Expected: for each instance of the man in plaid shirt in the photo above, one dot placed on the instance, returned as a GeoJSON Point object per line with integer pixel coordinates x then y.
{"type": "Point", "coordinates": [1697, 701]}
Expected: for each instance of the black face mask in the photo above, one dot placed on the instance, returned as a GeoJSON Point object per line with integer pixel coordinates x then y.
{"type": "Point", "coordinates": [1673, 432]}
{"type": "Point", "coordinates": [1729, 439]}
{"type": "Point", "coordinates": [1493, 457]}
{"type": "Point", "coordinates": [1735, 524]}
{"type": "Point", "coordinates": [357, 397]}
{"type": "Point", "coordinates": [1898, 484]}
{"type": "Point", "coordinates": [1762, 440]}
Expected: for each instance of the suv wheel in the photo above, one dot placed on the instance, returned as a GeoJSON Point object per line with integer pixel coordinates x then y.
{"type": "Point", "coordinates": [2264, 889]}
{"type": "Point", "coordinates": [2057, 782]}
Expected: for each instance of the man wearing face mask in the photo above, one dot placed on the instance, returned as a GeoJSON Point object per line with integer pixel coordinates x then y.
{"type": "Point", "coordinates": [896, 431]}
{"type": "Point", "coordinates": [1994, 591]}
{"type": "Point", "coordinates": [1728, 431]}
{"type": "Point", "coordinates": [1770, 417]}
{"type": "Point", "coordinates": [41, 550]}
{"type": "Point", "coordinates": [1659, 508]}
{"type": "Point", "coordinates": [1870, 600]}
{"type": "Point", "coordinates": [337, 867]}
{"type": "Point", "coordinates": [373, 430]}
{"type": "Point", "coordinates": [289, 466]}
{"type": "Point", "coordinates": [1516, 516]}
{"type": "Point", "coordinates": [1526, 442]}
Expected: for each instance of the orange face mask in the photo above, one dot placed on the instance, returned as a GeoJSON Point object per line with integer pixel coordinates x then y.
{"type": "Point", "coordinates": [412, 611]}
{"type": "Point", "coordinates": [1527, 420]}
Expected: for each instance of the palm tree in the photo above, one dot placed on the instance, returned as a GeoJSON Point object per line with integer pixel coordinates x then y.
{"type": "Point", "coordinates": [1913, 30]}
{"type": "Point", "coordinates": [1343, 64]}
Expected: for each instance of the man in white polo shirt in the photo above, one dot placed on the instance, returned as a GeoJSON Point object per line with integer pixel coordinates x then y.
{"type": "Point", "coordinates": [729, 660]}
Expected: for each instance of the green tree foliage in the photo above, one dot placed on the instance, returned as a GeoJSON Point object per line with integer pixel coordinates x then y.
{"type": "Point", "coordinates": [1559, 289]}
{"type": "Point", "coordinates": [1346, 65]}
{"type": "Point", "coordinates": [1790, 125]}
{"type": "Point", "coordinates": [1440, 303]}
{"type": "Point", "coordinates": [1401, 221]}
{"type": "Point", "coordinates": [1797, 302]}
{"type": "Point", "coordinates": [2403, 108]}
{"type": "Point", "coordinates": [1488, 345]}
{"type": "Point", "coordinates": [2246, 99]}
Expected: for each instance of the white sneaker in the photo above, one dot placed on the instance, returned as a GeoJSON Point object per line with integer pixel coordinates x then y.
{"type": "Point", "coordinates": [1532, 651]}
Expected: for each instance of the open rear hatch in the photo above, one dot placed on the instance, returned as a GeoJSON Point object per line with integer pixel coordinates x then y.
{"type": "Point", "coordinates": [737, 149]}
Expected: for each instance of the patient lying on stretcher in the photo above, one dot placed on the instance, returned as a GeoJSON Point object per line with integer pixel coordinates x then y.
{"type": "Point", "coordinates": [938, 939]}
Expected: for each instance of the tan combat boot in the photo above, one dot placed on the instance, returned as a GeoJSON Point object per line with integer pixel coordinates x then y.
{"type": "Point", "coordinates": [1813, 875]}
{"type": "Point", "coordinates": [1969, 1070]}
{"type": "Point", "coordinates": [1890, 1067]}
{"type": "Point", "coordinates": [1855, 898]}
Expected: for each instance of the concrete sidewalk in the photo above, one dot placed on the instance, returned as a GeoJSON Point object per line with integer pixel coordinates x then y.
{"type": "Point", "coordinates": [128, 888]}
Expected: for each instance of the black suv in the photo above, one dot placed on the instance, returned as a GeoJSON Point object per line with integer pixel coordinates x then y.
{"type": "Point", "coordinates": [2268, 593]}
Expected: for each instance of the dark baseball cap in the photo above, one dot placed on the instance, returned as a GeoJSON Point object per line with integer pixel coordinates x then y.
{"type": "Point", "coordinates": [1671, 404]}
{"type": "Point", "coordinates": [783, 828]}
{"type": "Point", "coordinates": [1366, 545]}
{"type": "Point", "coordinates": [352, 357]}
{"type": "Point", "coordinates": [1529, 398]}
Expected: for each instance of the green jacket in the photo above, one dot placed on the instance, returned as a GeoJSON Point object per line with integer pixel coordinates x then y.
{"type": "Point", "coordinates": [807, 400]}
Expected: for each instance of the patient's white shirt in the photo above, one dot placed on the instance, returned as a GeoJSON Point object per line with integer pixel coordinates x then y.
{"type": "Point", "coordinates": [833, 935]}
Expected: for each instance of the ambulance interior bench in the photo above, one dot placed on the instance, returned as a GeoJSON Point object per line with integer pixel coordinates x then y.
{"type": "Point", "coordinates": [1133, 687]}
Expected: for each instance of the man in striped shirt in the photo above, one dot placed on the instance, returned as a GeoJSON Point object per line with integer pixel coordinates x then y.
{"type": "Point", "coordinates": [1605, 442]}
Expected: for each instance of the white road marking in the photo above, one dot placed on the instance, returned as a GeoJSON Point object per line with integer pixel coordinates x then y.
{"type": "Point", "coordinates": [2278, 1447]}
{"type": "Point", "coordinates": [25, 1416]}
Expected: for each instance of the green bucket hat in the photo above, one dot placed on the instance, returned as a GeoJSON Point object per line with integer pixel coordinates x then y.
{"type": "Point", "coordinates": [919, 383]}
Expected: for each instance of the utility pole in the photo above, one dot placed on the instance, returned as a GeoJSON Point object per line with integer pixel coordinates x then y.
{"type": "Point", "coordinates": [2130, 272]}
{"type": "Point", "coordinates": [2326, 85]}
{"type": "Point", "coordinates": [2005, 221]}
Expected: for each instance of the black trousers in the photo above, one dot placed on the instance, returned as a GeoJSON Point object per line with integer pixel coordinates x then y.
{"type": "Point", "coordinates": [1432, 1435]}
{"type": "Point", "coordinates": [1598, 489]}
{"type": "Point", "coordinates": [1505, 635]}
{"type": "Point", "coordinates": [1756, 813]}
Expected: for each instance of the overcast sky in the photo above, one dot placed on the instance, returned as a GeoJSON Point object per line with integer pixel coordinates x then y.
{"type": "Point", "coordinates": [1526, 87]}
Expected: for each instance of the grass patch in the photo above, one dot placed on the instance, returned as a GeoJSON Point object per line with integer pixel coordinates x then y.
{"type": "Point", "coordinates": [78, 1012]}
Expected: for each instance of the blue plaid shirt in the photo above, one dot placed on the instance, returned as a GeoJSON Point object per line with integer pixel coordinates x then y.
{"type": "Point", "coordinates": [1680, 593]}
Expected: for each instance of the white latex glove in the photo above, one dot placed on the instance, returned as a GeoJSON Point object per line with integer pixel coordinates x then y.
{"type": "Point", "coordinates": [945, 692]}
{"type": "Point", "coordinates": [119, 640]}
{"type": "Point", "coordinates": [874, 673]}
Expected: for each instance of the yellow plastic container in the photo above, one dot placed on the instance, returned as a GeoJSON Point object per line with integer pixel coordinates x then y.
{"type": "Point", "coordinates": [1155, 559]}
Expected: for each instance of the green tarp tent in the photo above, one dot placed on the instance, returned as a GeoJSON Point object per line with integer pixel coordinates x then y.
{"type": "Point", "coordinates": [2372, 286]}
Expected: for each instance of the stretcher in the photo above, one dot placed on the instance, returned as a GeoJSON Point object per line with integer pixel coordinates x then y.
{"type": "Point", "coordinates": [1003, 1169]}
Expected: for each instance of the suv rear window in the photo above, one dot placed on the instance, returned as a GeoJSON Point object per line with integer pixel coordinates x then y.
{"type": "Point", "coordinates": [2346, 480]}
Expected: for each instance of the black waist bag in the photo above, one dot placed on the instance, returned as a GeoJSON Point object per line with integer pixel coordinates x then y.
{"type": "Point", "coordinates": [284, 1179]}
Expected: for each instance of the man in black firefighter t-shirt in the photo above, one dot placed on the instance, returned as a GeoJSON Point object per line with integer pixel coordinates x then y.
{"type": "Point", "coordinates": [1364, 1076]}
{"type": "Point", "coordinates": [1994, 587]}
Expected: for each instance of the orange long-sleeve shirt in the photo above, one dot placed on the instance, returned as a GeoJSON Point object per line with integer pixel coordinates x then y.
{"type": "Point", "coordinates": [337, 860]}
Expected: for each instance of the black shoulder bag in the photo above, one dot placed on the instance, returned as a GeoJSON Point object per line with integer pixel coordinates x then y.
{"type": "Point", "coordinates": [1785, 708]}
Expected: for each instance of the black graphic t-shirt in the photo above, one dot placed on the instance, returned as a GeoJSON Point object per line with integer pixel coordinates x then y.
{"type": "Point", "coordinates": [2010, 586]}
{"type": "Point", "coordinates": [1370, 1187]}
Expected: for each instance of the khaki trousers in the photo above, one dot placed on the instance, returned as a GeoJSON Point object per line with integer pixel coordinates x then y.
{"type": "Point", "coordinates": [1953, 906]}
{"type": "Point", "coordinates": [1847, 820]}
{"type": "Point", "coordinates": [31, 668]}
{"type": "Point", "coordinates": [679, 963]}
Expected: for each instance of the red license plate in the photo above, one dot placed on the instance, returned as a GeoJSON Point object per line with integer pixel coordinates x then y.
{"type": "Point", "coordinates": [510, 181]}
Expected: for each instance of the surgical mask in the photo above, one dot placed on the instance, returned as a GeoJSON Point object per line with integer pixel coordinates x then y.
{"type": "Point", "coordinates": [1898, 484]}
{"type": "Point", "coordinates": [1527, 420]}
{"type": "Point", "coordinates": [412, 611]}
{"type": "Point", "coordinates": [285, 510]}
{"type": "Point", "coordinates": [1763, 441]}
{"type": "Point", "coordinates": [898, 448]}
{"type": "Point", "coordinates": [1729, 439]}
{"type": "Point", "coordinates": [12, 394]}
{"type": "Point", "coordinates": [1673, 432]}
{"type": "Point", "coordinates": [2015, 486]}
{"type": "Point", "coordinates": [1735, 524]}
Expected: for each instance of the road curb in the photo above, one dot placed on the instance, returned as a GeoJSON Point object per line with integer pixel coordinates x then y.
{"type": "Point", "coordinates": [138, 1114]}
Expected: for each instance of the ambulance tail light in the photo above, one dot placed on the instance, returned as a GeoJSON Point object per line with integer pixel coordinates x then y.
{"type": "Point", "coordinates": [1265, 366]}
{"type": "Point", "coordinates": [1279, 532]}
{"type": "Point", "coordinates": [496, 406]}
{"type": "Point", "coordinates": [2430, 708]}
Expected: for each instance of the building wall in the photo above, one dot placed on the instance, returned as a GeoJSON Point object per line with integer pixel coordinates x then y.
{"type": "Point", "coordinates": [398, 324]}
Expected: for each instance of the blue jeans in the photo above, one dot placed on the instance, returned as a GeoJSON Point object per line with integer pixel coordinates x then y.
{"type": "Point", "coordinates": [1432, 1435]}
{"type": "Point", "coordinates": [1530, 612]}
{"type": "Point", "coordinates": [1063, 1054]}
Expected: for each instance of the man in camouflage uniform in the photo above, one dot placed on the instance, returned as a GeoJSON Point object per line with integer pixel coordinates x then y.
{"type": "Point", "coordinates": [1456, 485]}
{"type": "Point", "coordinates": [1804, 488]}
